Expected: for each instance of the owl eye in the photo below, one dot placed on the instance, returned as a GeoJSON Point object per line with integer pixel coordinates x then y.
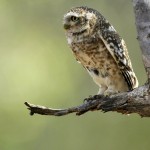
{"type": "Point", "coordinates": [74, 18]}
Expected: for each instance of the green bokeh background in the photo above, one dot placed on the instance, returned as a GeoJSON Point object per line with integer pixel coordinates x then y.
{"type": "Point", "coordinates": [36, 65]}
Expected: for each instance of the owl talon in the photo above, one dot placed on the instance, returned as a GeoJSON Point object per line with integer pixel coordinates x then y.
{"type": "Point", "coordinates": [87, 99]}
{"type": "Point", "coordinates": [109, 93]}
{"type": "Point", "coordinates": [106, 94]}
{"type": "Point", "coordinates": [91, 98]}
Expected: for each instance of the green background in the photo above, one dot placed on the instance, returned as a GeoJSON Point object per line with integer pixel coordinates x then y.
{"type": "Point", "coordinates": [36, 65]}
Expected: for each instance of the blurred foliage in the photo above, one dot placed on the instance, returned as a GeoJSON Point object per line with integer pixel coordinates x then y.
{"type": "Point", "coordinates": [36, 65]}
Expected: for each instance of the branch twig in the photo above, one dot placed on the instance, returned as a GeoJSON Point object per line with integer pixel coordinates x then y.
{"type": "Point", "coordinates": [89, 104]}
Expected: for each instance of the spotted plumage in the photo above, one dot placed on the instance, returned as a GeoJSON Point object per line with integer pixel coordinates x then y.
{"type": "Point", "coordinates": [98, 47]}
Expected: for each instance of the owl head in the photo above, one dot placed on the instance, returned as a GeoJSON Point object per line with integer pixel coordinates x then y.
{"type": "Point", "coordinates": [80, 19]}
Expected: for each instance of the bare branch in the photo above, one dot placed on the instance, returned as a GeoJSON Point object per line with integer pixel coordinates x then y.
{"type": "Point", "coordinates": [135, 101]}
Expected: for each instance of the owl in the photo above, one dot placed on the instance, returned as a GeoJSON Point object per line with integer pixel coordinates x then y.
{"type": "Point", "coordinates": [100, 50]}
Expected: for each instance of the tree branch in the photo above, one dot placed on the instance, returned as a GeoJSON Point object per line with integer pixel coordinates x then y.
{"type": "Point", "coordinates": [136, 101]}
{"type": "Point", "coordinates": [142, 18]}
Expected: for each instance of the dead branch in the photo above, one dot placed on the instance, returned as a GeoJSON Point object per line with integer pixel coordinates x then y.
{"type": "Point", "coordinates": [136, 101]}
{"type": "Point", "coordinates": [142, 19]}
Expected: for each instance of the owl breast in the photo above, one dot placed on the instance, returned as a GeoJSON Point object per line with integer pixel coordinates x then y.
{"type": "Point", "coordinates": [99, 63]}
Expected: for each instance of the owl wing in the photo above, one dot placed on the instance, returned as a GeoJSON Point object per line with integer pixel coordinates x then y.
{"type": "Point", "coordinates": [117, 48]}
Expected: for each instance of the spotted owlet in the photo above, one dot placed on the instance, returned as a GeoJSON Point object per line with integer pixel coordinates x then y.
{"type": "Point", "coordinates": [98, 47]}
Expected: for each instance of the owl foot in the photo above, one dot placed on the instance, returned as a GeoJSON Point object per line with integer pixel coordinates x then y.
{"type": "Point", "coordinates": [91, 98]}
{"type": "Point", "coordinates": [108, 93]}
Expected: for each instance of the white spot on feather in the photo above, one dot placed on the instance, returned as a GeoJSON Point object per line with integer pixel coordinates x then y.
{"type": "Point", "coordinates": [69, 40]}
{"type": "Point", "coordinates": [71, 14]}
{"type": "Point", "coordinates": [89, 15]}
{"type": "Point", "coordinates": [111, 28]}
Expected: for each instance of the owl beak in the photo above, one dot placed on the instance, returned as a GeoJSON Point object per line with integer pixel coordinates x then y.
{"type": "Point", "coordinates": [67, 26]}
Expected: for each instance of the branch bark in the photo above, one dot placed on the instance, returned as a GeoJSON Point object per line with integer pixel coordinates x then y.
{"type": "Point", "coordinates": [142, 18]}
{"type": "Point", "coordinates": [136, 101]}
